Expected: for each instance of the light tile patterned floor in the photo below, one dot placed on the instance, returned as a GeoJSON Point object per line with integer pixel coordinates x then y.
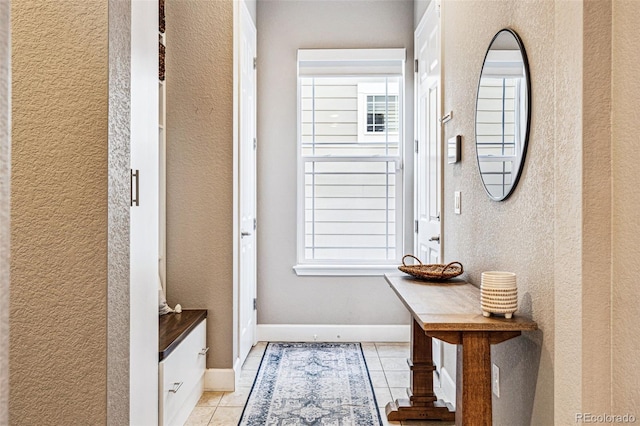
{"type": "Point", "coordinates": [388, 368]}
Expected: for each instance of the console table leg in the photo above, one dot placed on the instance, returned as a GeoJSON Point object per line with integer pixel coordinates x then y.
{"type": "Point", "coordinates": [473, 380]}
{"type": "Point", "coordinates": [422, 403]}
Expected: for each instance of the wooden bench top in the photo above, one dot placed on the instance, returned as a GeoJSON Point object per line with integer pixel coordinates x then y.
{"type": "Point", "coordinates": [452, 305]}
{"type": "Point", "coordinates": [174, 328]}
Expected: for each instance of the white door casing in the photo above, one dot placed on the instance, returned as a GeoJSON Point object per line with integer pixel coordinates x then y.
{"type": "Point", "coordinates": [428, 166]}
{"type": "Point", "coordinates": [429, 156]}
{"type": "Point", "coordinates": [143, 352]}
{"type": "Point", "coordinates": [247, 185]}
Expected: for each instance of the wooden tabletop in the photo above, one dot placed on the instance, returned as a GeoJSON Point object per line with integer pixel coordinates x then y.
{"type": "Point", "coordinates": [452, 305]}
{"type": "Point", "coordinates": [174, 328]}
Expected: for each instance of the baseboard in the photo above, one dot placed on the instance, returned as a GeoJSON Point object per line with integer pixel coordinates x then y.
{"type": "Point", "coordinates": [219, 379]}
{"type": "Point", "coordinates": [332, 333]}
{"type": "Point", "coordinates": [448, 386]}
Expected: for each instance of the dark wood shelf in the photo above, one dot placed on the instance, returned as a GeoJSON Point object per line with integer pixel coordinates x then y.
{"type": "Point", "coordinates": [175, 327]}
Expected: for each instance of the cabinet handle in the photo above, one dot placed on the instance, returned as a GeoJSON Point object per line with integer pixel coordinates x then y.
{"type": "Point", "coordinates": [135, 201]}
{"type": "Point", "coordinates": [204, 351]}
{"type": "Point", "coordinates": [176, 387]}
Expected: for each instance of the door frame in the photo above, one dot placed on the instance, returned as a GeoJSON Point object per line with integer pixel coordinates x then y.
{"type": "Point", "coordinates": [240, 13]}
{"type": "Point", "coordinates": [441, 350]}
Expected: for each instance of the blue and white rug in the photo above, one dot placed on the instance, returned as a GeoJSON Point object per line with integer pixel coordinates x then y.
{"type": "Point", "coordinates": [323, 384]}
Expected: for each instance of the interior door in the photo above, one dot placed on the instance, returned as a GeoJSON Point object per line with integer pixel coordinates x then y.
{"type": "Point", "coordinates": [143, 346]}
{"type": "Point", "coordinates": [247, 174]}
{"type": "Point", "coordinates": [428, 169]}
{"type": "Point", "coordinates": [428, 143]}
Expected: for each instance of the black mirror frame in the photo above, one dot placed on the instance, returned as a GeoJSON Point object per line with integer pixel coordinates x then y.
{"type": "Point", "coordinates": [525, 145]}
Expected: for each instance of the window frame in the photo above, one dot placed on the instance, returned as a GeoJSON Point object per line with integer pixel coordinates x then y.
{"type": "Point", "coordinates": [384, 114]}
{"type": "Point", "coordinates": [317, 267]}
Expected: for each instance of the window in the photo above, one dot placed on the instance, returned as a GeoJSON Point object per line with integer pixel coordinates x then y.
{"type": "Point", "coordinates": [382, 112]}
{"type": "Point", "coordinates": [350, 161]}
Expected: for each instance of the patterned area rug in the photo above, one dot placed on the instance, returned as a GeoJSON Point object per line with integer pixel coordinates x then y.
{"type": "Point", "coordinates": [324, 384]}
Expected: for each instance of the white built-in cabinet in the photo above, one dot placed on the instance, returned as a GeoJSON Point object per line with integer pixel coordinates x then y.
{"type": "Point", "coordinates": [144, 221]}
{"type": "Point", "coordinates": [183, 357]}
{"type": "Point", "coordinates": [162, 152]}
{"type": "Point", "coordinates": [181, 377]}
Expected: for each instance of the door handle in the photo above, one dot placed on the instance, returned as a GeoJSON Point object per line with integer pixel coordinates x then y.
{"type": "Point", "coordinates": [176, 387]}
{"type": "Point", "coordinates": [245, 234]}
{"type": "Point", "coordinates": [135, 175]}
{"type": "Point", "coordinates": [435, 238]}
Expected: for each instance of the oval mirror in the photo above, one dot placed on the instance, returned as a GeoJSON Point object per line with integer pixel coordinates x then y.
{"type": "Point", "coordinates": [503, 112]}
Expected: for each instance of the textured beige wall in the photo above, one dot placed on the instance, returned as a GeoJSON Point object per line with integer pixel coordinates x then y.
{"type": "Point", "coordinates": [283, 28]}
{"type": "Point", "coordinates": [59, 212]}
{"type": "Point", "coordinates": [199, 165]}
{"type": "Point", "coordinates": [596, 206]}
{"type": "Point", "coordinates": [554, 231]}
{"type": "Point", "coordinates": [626, 202]}
{"type": "Point", "coordinates": [5, 179]}
{"type": "Point", "coordinates": [515, 235]}
{"type": "Point", "coordinates": [567, 214]}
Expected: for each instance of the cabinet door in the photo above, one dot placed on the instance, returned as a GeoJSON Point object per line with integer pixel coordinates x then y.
{"type": "Point", "coordinates": [144, 217]}
{"type": "Point", "coordinates": [182, 377]}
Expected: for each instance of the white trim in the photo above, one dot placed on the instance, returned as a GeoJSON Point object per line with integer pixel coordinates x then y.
{"type": "Point", "coordinates": [344, 270]}
{"type": "Point", "coordinates": [333, 333]}
{"type": "Point", "coordinates": [237, 369]}
{"type": "Point", "coordinates": [318, 62]}
{"type": "Point", "coordinates": [219, 379]}
{"type": "Point", "coordinates": [235, 227]}
{"type": "Point", "coordinates": [336, 55]}
{"type": "Point", "coordinates": [351, 267]}
{"type": "Point", "coordinates": [448, 386]}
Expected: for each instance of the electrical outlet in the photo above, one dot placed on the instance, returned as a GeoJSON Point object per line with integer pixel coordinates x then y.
{"type": "Point", "coordinates": [457, 208]}
{"type": "Point", "coordinates": [495, 380]}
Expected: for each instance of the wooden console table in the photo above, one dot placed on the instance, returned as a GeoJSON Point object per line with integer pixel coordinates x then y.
{"type": "Point", "coordinates": [450, 312]}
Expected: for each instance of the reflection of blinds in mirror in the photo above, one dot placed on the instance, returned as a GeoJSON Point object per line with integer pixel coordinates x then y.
{"type": "Point", "coordinates": [496, 132]}
{"type": "Point", "coordinates": [496, 116]}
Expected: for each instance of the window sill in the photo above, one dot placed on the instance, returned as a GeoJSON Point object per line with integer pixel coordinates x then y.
{"type": "Point", "coordinates": [344, 270]}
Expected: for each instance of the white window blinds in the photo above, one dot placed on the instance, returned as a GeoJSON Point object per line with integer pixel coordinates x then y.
{"type": "Point", "coordinates": [350, 156]}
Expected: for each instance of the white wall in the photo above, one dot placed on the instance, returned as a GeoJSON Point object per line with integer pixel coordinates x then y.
{"type": "Point", "coordinates": [252, 6]}
{"type": "Point", "coordinates": [283, 28]}
{"type": "Point", "coordinates": [419, 8]}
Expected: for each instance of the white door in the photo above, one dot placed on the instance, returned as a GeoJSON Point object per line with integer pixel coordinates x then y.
{"type": "Point", "coordinates": [247, 175]}
{"type": "Point", "coordinates": [428, 169]}
{"type": "Point", "coordinates": [143, 346]}
{"type": "Point", "coordinates": [428, 157]}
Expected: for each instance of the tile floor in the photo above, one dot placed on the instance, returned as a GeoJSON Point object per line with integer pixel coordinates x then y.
{"type": "Point", "coordinates": [388, 368]}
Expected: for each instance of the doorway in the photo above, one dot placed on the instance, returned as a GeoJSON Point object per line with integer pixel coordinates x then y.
{"type": "Point", "coordinates": [245, 45]}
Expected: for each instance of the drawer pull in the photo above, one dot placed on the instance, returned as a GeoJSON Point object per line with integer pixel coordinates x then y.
{"type": "Point", "coordinates": [176, 387]}
{"type": "Point", "coordinates": [204, 351]}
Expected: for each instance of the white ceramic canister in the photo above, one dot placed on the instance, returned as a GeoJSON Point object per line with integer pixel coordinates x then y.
{"type": "Point", "coordinates": [499, 293]}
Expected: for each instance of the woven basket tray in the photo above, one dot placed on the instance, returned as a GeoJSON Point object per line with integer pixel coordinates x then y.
{"type": "Point", "coordinates": [437, 271]}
